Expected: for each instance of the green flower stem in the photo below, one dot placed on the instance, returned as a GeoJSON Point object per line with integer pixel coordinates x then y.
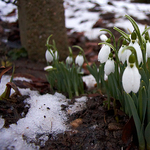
{"type": "Point", "coordinates": [111, 35]}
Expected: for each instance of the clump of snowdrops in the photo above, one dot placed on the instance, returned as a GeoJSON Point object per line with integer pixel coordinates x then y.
{"type": "Point", "coordinates": [65, 77]}
{"type": "Point", "coordinates": [124, 71]}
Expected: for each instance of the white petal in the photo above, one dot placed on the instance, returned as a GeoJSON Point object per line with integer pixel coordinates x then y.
{"type": "Point", "coordinates": [148, 49]}
{"type": "Point", "coordinates": [56, 55]}
{"type": "Point", "coordinates": [109, 67]}
{"type": "Point", "coordinates": [105, 77]}
{"type": "Point", "coordinates": [79, 60]}
{"type": "Point", "coordinates": [104, 53]}
{"type": "Point", "coordinates": [48, 68]}
{"type": "Point", "coordinates": [127, 79]}
{"type": "Point", "coordinates": [123, 56]}
{"type": "Point", "coordinates": [48, 56]}
{"type": "Point", "coordinates": [137, 78]}
{"type": "Point", "coordinates": [103, 37]}
{"type": "Point", "coordinates": [138, 51]}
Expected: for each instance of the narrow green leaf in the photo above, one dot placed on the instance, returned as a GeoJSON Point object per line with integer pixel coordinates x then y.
{"type": "Point", "coordinates": [147, 136]}
{"type": "Point", "coordinates": [136, 28]}
{"type": "Point", "coordinates": [139, 126]}
{"type": "Point", "coordinates": [125, 35]}
{"type": "Point", "coordinates": [145, 30]}
{"type": "Point", "coordinates": [143, 76]}
{"type": "Point", "coordinates": [148, 104]}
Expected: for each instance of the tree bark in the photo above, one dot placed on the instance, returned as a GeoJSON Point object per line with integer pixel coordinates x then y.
{"type": "Point", "coordinates": [38, 19]}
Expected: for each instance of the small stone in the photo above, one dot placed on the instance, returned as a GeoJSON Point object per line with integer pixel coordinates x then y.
{"type": "Point", "coordinates": [115, 126]}
{"type": "Point", "coordinates": [76, 123]}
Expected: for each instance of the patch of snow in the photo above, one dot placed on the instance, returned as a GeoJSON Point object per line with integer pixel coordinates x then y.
{"type": "Point", "coordinates": [89, 81]}
{"type": "Point", "coordinates": [78, 105]}
{"type": "Point", "coordinates": [44, 117]}
{"type": "Point", "coordinates": [5, 9]}
{"type": "Point", "coordinates": [1, 122]}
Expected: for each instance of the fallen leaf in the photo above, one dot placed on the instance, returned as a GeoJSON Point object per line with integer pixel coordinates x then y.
{"type": "Point", "coordinates": [4, 70]}
{"type": "Point", "coordinates": [128, 130]}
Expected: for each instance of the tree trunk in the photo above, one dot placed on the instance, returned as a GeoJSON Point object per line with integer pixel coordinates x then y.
{"type": "Point", "coordinates": [38, 19]}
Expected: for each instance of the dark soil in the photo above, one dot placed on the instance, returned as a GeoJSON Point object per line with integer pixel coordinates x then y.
{"type": "Point", "coordinates": [98, 129]}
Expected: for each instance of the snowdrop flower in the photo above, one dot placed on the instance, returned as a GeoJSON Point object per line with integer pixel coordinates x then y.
{"type": "Point", "coordinates": [56, 55]}
{"type": "Point", "coordinates": [48, 56]}
{"type": "Point", "coordinates": [79, 60]}
{"type": "Point", "coordinates": [123, 55]}
{"type": "Point", "coordinates": [69, 60]}
{"type": "Point", "coordinates": [103, 37]}
{"type": "Point", "coordinates": [48, 68]}
{"type": "Point", "coordinates": [131, 78]}
{"type": "Point", "coordinates": [104, 53]}
{"type": "Point", "coordinates": [138, 51]}
{"type": "Point", "coordinates": [109, 66]}
{"type": "Point", "coordinates": [148, 49]}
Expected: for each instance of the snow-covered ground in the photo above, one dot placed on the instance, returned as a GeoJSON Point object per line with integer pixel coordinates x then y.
{"type": "Point", "coordinates": [45, 115]}
{"type": "Point", "coordinates": [43, 118]}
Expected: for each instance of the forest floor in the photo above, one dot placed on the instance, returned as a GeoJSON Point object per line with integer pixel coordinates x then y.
{"type": "Point", "coordinates": [93, 128]}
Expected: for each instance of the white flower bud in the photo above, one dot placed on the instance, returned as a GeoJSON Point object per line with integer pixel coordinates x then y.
{"type": "Point", "coordinates": [79, 60]}
{"type": "Point", "coordinates": [69, 60]}
{"type": "Point", "coordinates": [104, 53]}
{"type": "Point", "coordinates": [103, 37]}
{"type": "Point", "coordinates": [109, 67]}
{"type": "Point", "coordinates": [48, 56]}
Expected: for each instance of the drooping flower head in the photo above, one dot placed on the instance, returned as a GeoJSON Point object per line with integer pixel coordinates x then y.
{"type": "Point", "coordinates": [103, 37]}
{"type": "Point", "coordinates": [138, 51]}
{"type": "Point", "coordinates": [69, 60]}
{"type": "Point", "coordinates": [79, 60]}
{"type": "Point", "coordinates": [48, 55]}
{"type": "Point", "coordinates": [109, 65]}
{"type": "Point", "coordinates": [123, 55]}
{"type": "Point", "coordinates": [134, 43]}
{"type": "Point", "coordinates": [104, 53]}
{"type": "Point", "coordinates": [131, 76]}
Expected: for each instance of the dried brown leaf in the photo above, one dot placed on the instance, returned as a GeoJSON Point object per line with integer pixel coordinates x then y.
{"type": "Point", "coordinates": [4, 70]}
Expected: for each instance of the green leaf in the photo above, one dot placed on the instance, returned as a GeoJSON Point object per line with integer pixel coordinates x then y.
{"type": "Point", "coordinates": [135, 99]}
{"type": "Point", "coordinates": [143, 76]}
{"type": "Point", "coordinates": [147, 136]}
{"type": "Point", "coordinates": [125, 35]}
{"type": "Point", "coordinates": [139, 126]}
{"type": "Point", "coordinates": [145, 30]}
{"type": "Point", "coordinates": [140, 104]}
{"type": "Point", "coordinates": [136, 28]}
{"type": "Point", "coordinates": [148, 103]}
